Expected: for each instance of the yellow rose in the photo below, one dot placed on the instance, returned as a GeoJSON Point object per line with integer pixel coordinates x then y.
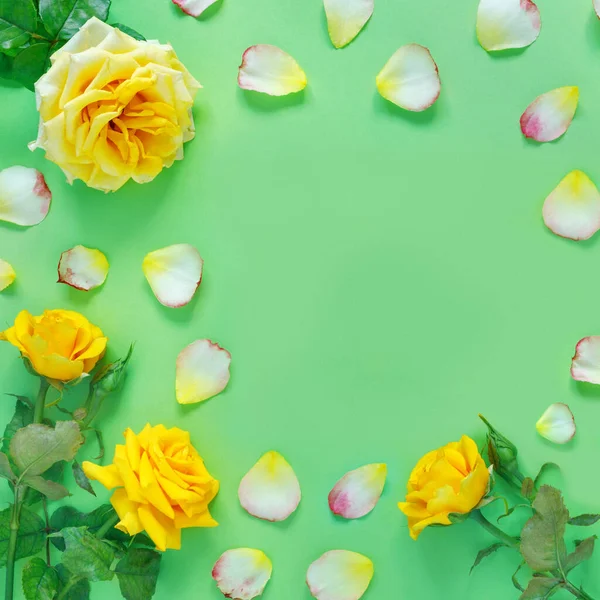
{"type": "Point", "coordinates": [60, 344]}
{"type": "Point", "coordinates": [163, 485]}
{"type": "Point", "coordinates": [452, 479]}
{"type": "Point", "coordinates": [114, 108]}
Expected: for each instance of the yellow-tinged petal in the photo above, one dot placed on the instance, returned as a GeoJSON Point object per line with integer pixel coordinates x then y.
{"type": "Point", "coordinates": [357, 492]}
{"type": "Point", "coordinates": [557, 424]}
{"type": "Point", "coordinates": [82, 268]}
{"type": "Point", "coordinates": [108, 476]}
{"type": "Point", "coordinates": [346, 18]}
{"type": "Point", "coordinates": [7, 275]}
{"type": "Point", "coordinates": [549, 115]}
{"type": "Point", "coordinates": [242, 573]}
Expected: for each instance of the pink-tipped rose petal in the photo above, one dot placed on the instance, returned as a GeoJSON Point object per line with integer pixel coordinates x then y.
{"type": "Point", "coordinates": [270, 490]}
{"type": "Point", "coordinates": [82, 268]}
{"type": "Point", "coordinates": [410, 78]}
{"type": "Point", "coordinates": [194, 8]}
{"type": "Point", "coordinates": [174, 274]}
{"type": "Point", "coordinates": [24, 196]}
{"type": "Point", "coordinates": [504, 24]}
{"type": "Point", "coordinates": [202, 371]}
{"type": "Point", "coordinates": [357, 492]}
{"type": "Point", "coordinates": [7, 274]}
{"type": "Point", "coordinates": [243, 573]}
{"type": "Point", "coordinates": [346, 18]}
{"type": "Point", "coordinates": [270, 70]}
{"type": "Point", "coordinates": [585, 365]}
{"type": "Point", "coordinates": [572, 210]}
{"type": "Point", "coordinates": [339, 575]}
{"type": "Point", "coordinates": [550, 114]}
{"type": "Point", "coordinates": [557, 424]}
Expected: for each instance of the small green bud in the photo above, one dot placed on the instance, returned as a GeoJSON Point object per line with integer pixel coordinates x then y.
{"type": "Point", "coordinates": [501, 451]}
{"type": "Point", "coordinates": [109, 378]}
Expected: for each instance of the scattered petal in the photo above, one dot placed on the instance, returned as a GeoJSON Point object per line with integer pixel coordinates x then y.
{"type": "Point", "coordinates": [410, 78]}
{"type": "Point", "coordinates": [194, 8]}
{"type": "Point", "coordinates": [24, 196]}
{"type": "Point", "coordinates": [504, 24]}
{"type": "Point", "coordinates": [346, 18]}
{"type": "Point", "coordinates": [243, 573]}
{"type": "Point", "coordinates": [174, 274]}
{"type": "Point", "coordinates": [550, 114]}
{"type": "Point", "coordinates": [339, 575]}
{"type": "Point", "coordinates": [202, 371]}
{"type": "Point", "coordinates": [270, 70]}
{"type": "Point", "coordinates": [585, 365]}
{"type": "Point", "coordinates": [270, 490]}
{"type": "Point", "coordinates": [597, 7]}
{"type": "Point", "coordinates": [357, 492]}
{"type": "Point", "coordinates": [7, 274]}
{"type": "Point", "coordinates": [572, 210]}
{"type": "Point", "coordinates": [557, 424]}
{"type": "Point", "coordinates": [82, 268]}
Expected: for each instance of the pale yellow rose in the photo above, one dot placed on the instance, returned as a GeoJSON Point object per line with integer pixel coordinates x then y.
{"type": "Point", "coordinates": [113, 108]}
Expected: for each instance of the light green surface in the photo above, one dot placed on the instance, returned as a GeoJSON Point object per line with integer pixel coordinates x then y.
{"type": "Point", "coordinates": [379, 278]}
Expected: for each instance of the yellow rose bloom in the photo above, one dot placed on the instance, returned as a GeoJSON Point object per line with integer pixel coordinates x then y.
{"type": "Point", "coordinates": [114, 108]}
{"type": "Point", "coordinates": [452, 479]}
{"type": "Point", "coordinates": [162, 485]}
{"type": "Point", "coordinates": [60, 344]}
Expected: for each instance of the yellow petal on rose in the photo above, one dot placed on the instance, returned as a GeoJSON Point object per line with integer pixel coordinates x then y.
{"type": "Point", "coordinates": [202, 371]}
{"type": "Point", "coordinates": [127, 510]}
{"type": "Point", "coordinates": [358, 491]}
{"type": "Point", "coordinates": [153, 527]}
{"type": "Point", "coordinates": [108, 476]}
{"type": "Point", "coordinates": [346, 18]}
{"type": "Point", "coordinates": [270, 70]}
{"type": "Point", "coordinates": [202, 519]}
{"type": "Point", "coordinates": [151, 489]}
{"type": "Point", "coordinates": [133, 449]}
{"type": "Point", "coordinates": [82, 268]}
{"type": "Point", "coordinates": [174, 273]}
{"type": "Point", "coordinates": [340, 575]}
{"type": "Point", "coordinates": [270, 490]}
{"type": "Point", "coordinates": [242, 573]}
{"type": "Point", "coordinates": [24, 196]}
{"type": "Point", "coordinates": [7, 274]}
{"type": "Point", "coordinates": [130, 479]}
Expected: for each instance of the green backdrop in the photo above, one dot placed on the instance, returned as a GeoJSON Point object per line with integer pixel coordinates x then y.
{"type": "Point", "coordinates": [379, 277]}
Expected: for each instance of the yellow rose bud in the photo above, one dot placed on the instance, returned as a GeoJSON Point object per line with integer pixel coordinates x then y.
{"type": "Point", "coordinates": [162, 485]}
{"type": "Point", "coordinates": [450, 480]}
{"type": "Point", "coordinates": [114, 108]}
{"type": "Point", "coordinates": [60, 344]}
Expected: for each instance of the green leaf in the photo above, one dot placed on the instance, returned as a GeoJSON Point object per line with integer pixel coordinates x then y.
{"type": "Point", "coordinates": [54, 473]}
{"type": "Point", "coordinates": [50, 489]}
{"type": "Point", "coordinates": [31, 63]}
{"type": "Point", "coordinates": [543, 469]}
{"type": "Point", "coordinates": [36, 448]}
{"type": "Point", "coordinates": [63, 18]}
{"type": "Point", "coordinates": [85, 555]}
{"type": "Point", "coordinates": [582, 553]}
{"type": "Point", "coordinates": [542, 539]}
{"type": "Point", "coordinates": [80, 590]}
{"type": "Point", "coordinates": [22, 417]}
{"type": "Point", "coordinates": [40, 582]}
{"type": "Point", "coordinates": [528, 488]}
{"type": "Point", "coordinates": [81, 478]}
{"type": "Point", "coordinates": [515, 581]}
{"type": "Point", "coordinates": [129, 31]}
{"type": "Point", "coordinates": [456, 518]}
{"type": "Point", "coordinates": [485, 553]}
{"type": "Point", "coordinates": [32, 533]}
{"type": "Point", "coordinates": [584, 520]}
{"type": "Point", "coordinates": [5, 66]}
{"type": "Point", "coordinates": [540, 588]}
{"type": "Point", "coordinates": [5, 470]}
{"type": "Point", "coordinates": [137, 573]}
{"type": "Point", "coordinates": [18, 20]}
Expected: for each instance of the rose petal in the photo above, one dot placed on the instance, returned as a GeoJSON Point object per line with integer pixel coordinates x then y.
{"type": "Point", "coordinates": [597, 7]}
{"type": "Point", "coordinates": [202, 371]}
{"type": "Point", "coordinates": [585, 365]}
{"type": "Point", "coordinates": [194, 8]}
{"type": "Point", "coordinates": [346, 18]}
{"type": "Point", "coordinates": [82, 268]}
{"type": "Point", "coordinates": [339, 575]}
{"type": "Point", "coordinates": [7, 274]}
{"type": "Point", "coordinates": [270, 70]}
{"type": "Point", "coordinates": [504, 24]}
{"type": "Point", "coordinates": [270, 490]}
{"type": "Point", "coordinates": [174, 273]}
{"type": "Point", "coordinates": [357, 492]}
{"type": "Point", "coordinates": [24, 196]}
{"type": "Point", "coordinates": [572, 210]}
{"type": "Point", "coordinates": [410, 78]}
{"type": "Point", "coordinates": [243, 573]}
{"type": "Point", "coordinates": [550, 114]}
{"type": "Point", "coordinates": [557, 424]}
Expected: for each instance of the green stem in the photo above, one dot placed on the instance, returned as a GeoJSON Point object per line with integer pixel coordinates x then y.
{"type": "Point", "coordinates": [11, 554]}
{"type": "Point", "coordinates": [578, 593]}
{"type": "Point", "coordinates": [506, 539]}
{"type": "Point", "coordinates": [107, 526]}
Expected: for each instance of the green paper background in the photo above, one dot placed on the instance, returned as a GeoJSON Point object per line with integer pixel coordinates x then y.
{"type": "Point", "coordinates": [379, 277]}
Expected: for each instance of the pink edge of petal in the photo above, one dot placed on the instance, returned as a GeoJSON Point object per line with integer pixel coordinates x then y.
{"type": "Point", "coordinates": [182, 304]}
{"type": "Point", "coordinates": [576, 356]}
{"type": "Point", "coordinates": [179, 4]}
{"type": "Point", "coordinates": [42, 190]}
{"type": "Point", "coordinates": [244, 64]}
